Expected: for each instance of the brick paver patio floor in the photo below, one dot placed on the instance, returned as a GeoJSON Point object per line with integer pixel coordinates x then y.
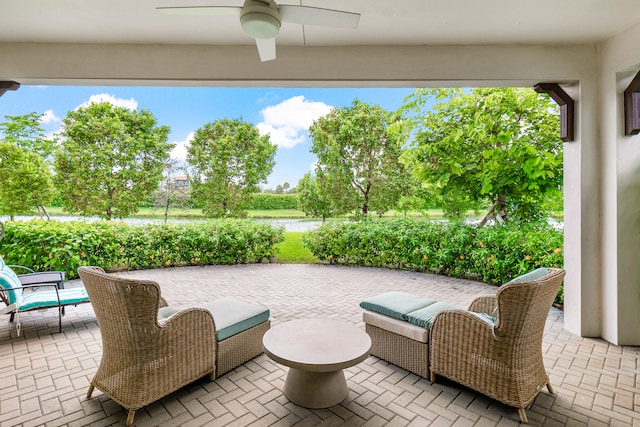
{"type": "Point", "coordinates": [44, 375]}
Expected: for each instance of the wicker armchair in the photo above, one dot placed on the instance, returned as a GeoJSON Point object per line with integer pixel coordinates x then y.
{"type": "Point", "coordinates": [501, 359]}
{"type": "Point", "coordinates": [143, 359]}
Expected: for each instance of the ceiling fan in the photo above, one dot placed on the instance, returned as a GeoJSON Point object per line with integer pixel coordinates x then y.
{"type": "Point", "coordinates": [261, 19]}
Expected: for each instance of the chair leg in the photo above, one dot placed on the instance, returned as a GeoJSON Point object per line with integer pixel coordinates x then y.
{"type": "Point", "coordinates": [523, 416]}
{"type": "Point", "coordinates": [432, 376]}
{"type": "Point", "coordinates": [550, 388]}
{"type": "Point", "coordinates": [90, 391]}
{"type": "Point", "coordinates": [11, 317]}
{"type": "Point", "coordinates": [132, 414]}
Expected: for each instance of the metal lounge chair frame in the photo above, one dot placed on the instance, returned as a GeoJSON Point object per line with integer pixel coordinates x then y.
{"type": "Point", "coordinates": [16, 301]}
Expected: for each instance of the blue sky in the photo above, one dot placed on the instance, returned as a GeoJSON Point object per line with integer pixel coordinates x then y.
{"type": "Point", "coordinates": [284, 114]}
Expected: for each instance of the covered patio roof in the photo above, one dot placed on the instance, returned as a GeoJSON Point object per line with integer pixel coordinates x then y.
{"type": "Point", "coordinates": [121, 42]}
{"type": "Point", "coordinates": [588, 47]}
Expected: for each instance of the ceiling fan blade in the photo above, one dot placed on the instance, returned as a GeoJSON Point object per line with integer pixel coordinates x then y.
{"type": "Point", "coordinates": [306, 15]}
{"type": "Point", "coordinates": [266, 49]}
{"type": "Point", "coordinates": [200, 10]}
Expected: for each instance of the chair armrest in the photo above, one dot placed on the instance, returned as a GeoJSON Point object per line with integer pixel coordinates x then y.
{"type": "Point", "coordinates": [459, 344]}
{"type": "Point", "coordinates": [486, 304]}
{"type": "Point", "coordinates": [21, 267]}
{"type": "Point", "coordinates": [34, 285]}
{"type": "Point", "coordinates": [452, 329]}
{"type": "Point", "coordinates": [45, 277]}
{"type": "Point", "coordinates": [163, 302]}
{"type": "Point", "coordinates": [188, 335]}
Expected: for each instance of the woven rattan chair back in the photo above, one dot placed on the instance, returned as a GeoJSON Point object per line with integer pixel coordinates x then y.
{"type": "Point", "coordinates": [523, 308]}
{"type": "Point", "coordinates": [143, 361]}
{"type": "Point", "coordinates": [503, 361]}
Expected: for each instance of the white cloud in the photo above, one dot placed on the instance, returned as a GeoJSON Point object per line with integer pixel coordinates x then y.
{"type": "Point", "coordinates": [288, 121]}
{"type": "Point", "coordinates": [130, 104]}
{"type": "Point", "coordinates": [179, 151]}
{"type": "Point", "coordinates": [49, 117]}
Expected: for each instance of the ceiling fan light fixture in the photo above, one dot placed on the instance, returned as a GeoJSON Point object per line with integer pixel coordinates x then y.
{"type": "Point", "coordinates": [260, 23]}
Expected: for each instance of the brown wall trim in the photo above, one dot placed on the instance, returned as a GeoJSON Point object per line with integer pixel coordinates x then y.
{"type": "Point", "coordinates": [6, 85]}
{"type": "Point", "coordinates": [567, 118]}
{"type": "Point", "coordinates": [632, 107]}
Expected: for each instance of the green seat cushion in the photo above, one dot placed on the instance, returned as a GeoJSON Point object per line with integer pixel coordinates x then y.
{"type": "Point", "coordinates": [487, 318]}
{"type": "Point", "coordinates": [396, 304]}
{"type": "Point", "coordinates": [233, 316]}
{"type": "Point", "coordinates": [164, 313]}
{"type": "Point", "coordinates": [532, 276]}
{"type": "Point", "coordinates": [44, 299]}
{"type": "Point", "coordinates": [424, 316]}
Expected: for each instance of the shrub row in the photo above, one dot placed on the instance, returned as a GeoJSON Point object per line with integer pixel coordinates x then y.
{"type": "Point", "coordinates": [492, 254]}
{"type": "Point", "coordinates": [265, 201]}
{"type": "Point", "coordinates": [65, 246]}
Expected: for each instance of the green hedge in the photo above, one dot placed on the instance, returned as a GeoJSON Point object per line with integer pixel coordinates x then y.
{"type": "Point", "coordinates": [494, 254]}
{"type": "Point", "coordinates": [65, 246]}
{"type": "Point", "coordinates": [265, 201]}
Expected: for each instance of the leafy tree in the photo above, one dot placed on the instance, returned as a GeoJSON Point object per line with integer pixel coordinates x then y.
{"type": "Point", "coordinates": [285, 187]}
{"type": "Point", "coordinates": [229, 159]}
{"type": "Point", "coordinates": [170, 193]}
{"type": "Point", "coordinates": [358, 160]}
{"type": "Point", "coordinates": [496, 146]}
{"type": "Point", "coordinates": [111, 159]}
{"type": "Point", "coordinates": [25, 132]}
{"type": "Point", "coordinates": [312, 200]}
{"type": "Point", "coordinates": [417, 198]}
{"type": "Point", "coordinates": [279, 189]}
{"type": "Point", "coordinates": [26, 181]}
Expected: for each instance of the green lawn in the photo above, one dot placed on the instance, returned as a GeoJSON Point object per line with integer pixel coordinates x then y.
{"type": "Point", "coordinates": [292, 251]}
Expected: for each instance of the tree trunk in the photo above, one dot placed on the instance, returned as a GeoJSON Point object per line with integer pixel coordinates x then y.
{"type": "Point", "coordinates": [498, 211]}
{"type": "Point", "coordinates": [365, 204]}
{"type": "Point", "coordinates": [44, 211]}
{"type": "Point", "coordinates": [488, 215]}
{"type": "Point", "coordinates": [166, 210]}
{"type": "Point", "coordinates": [501, 216]}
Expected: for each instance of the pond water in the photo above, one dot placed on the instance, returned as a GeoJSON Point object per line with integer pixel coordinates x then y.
{"type": "Point", "coordinates": [289, 224]}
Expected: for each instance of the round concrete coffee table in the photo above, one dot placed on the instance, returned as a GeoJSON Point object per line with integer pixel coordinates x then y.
{"type": "Point", "coordinates": [316, 351]}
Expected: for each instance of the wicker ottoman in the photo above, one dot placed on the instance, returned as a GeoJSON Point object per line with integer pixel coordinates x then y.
{"type": "Point", "coordinates": [399, 342]}
{"type": "Point", "coordinates": [398, 324]}
{"type": "Point", "coordinates": [240, 327]}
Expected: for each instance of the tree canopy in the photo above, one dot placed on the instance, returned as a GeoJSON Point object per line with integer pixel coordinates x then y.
{"type": "Point", "coordinates": [229, 158]}
{"type": "Point", "coordinates": [111, 158]}
{"type": "Point", "coordinates": [496, 146]}
{"type": "Point", "coordinates": [171, 194]}
{"type": "Point", "coordinates": [26, 180]}
{"type": "Point", "coordinates": [311, 200]}
{"type": "Point", "coordinates": [358, 160]}
{"type": "Point", "coordinates": [25, 132]}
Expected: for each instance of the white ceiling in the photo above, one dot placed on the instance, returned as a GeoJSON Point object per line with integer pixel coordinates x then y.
{"type": "Point", "coordinates": [388, 22]}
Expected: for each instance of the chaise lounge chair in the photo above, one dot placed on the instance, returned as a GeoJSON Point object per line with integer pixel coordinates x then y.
{"type": "Point", "coordinates": [47, 291]}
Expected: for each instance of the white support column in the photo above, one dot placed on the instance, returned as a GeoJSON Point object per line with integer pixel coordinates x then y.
{"type": "Point", "coordinates": [581, 215]}
{"type": "Point", "coordinates": [620, 61]}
